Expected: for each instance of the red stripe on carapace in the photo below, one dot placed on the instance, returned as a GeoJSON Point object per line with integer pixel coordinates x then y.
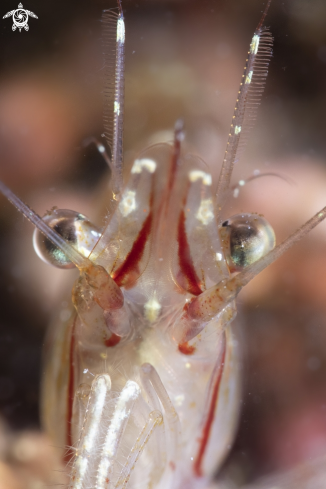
{"type": "Point", "coordinates": [186, 349]}
{"type": "Point", "coordinates": [130, 265]}
{"type": "Point", "coordinates": [185, 260]}
{"type": "Point", "coordinates": [113, 340]}
{"type": "Point", "coordinates": [70, 393]}
{"type": "Point", "coordinates": [215, 386]}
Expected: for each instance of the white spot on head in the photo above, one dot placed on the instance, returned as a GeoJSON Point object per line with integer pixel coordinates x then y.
{"type": "Point", "coordinates": [205, 212]}
{"type": "Point", "coordinates": [236, 192]}
{"type": "Point", "coordinates": [195, 175]}
{"type": "Point", "coordinates": [128, 203]}
{"type": "Point", "coordinates": [178, 400]}
{"type": "Point", "coordinates": [241, 183]}
{"type": "Point", "coordinates": [147, 163]}
{"type": "Point", "coordinates": [237, 129]}
{"type": "Point", "coordinates": [120, 31]}
{"type": "Point", "coordinates": [254, 44]}
{"type": "Point", "coordinates": [219, 256]}
{"type": "Point", "coordinates": [152, 309]}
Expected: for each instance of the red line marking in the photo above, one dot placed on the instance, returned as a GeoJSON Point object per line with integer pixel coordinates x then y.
{"type": "Point", "coordinates": [186, 349]}
{"type": "Point", "coordinates": [185, 260]}
{"type": "Point", "coordinates": [211, 414]}
{"type": "Point", "coordinates": [113, 340]}
{"type": "Point", "coordinates": [70, 397]}
{"type": "Point", "coordinates": [135, 254]}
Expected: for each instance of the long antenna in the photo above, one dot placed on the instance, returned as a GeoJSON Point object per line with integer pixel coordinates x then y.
{"type": "Point", "coordinates": [113, 34]}
{"type": "Point", "coordinates": [245, 112]}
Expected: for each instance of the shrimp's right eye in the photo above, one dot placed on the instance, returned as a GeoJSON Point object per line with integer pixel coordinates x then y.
{"type": "Point", "coordinates": [245, 239]}
{"type": "Point", "coordinates": [74, 228]}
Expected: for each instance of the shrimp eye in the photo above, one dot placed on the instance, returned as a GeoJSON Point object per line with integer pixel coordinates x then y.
{"type": "Point", "coordinates": [74, 228]}
{"type": "Point", "coordinates": [245, 239]}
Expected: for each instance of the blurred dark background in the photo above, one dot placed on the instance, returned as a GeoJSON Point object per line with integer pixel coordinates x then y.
{"type": "Point", "coordinates": [183, 58]}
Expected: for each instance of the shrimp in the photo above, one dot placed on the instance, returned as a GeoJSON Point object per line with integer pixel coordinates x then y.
{"type": "Point", "coordinates": [141, 384]}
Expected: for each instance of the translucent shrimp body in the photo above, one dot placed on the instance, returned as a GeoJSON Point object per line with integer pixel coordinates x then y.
{"type": "Point", "coordinates": [171, 422]}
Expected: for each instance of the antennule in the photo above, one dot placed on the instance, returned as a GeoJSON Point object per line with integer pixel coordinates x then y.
{"type": "Point", "coordinates": [113, 35]}
{"type": "Point", "coordinates": [248, 100]}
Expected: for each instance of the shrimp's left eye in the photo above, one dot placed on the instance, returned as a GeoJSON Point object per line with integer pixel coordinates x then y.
{"type": "Point", "coordinates": [245, 239]}
{"type": "Point", "coordinates": [74, 228]}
